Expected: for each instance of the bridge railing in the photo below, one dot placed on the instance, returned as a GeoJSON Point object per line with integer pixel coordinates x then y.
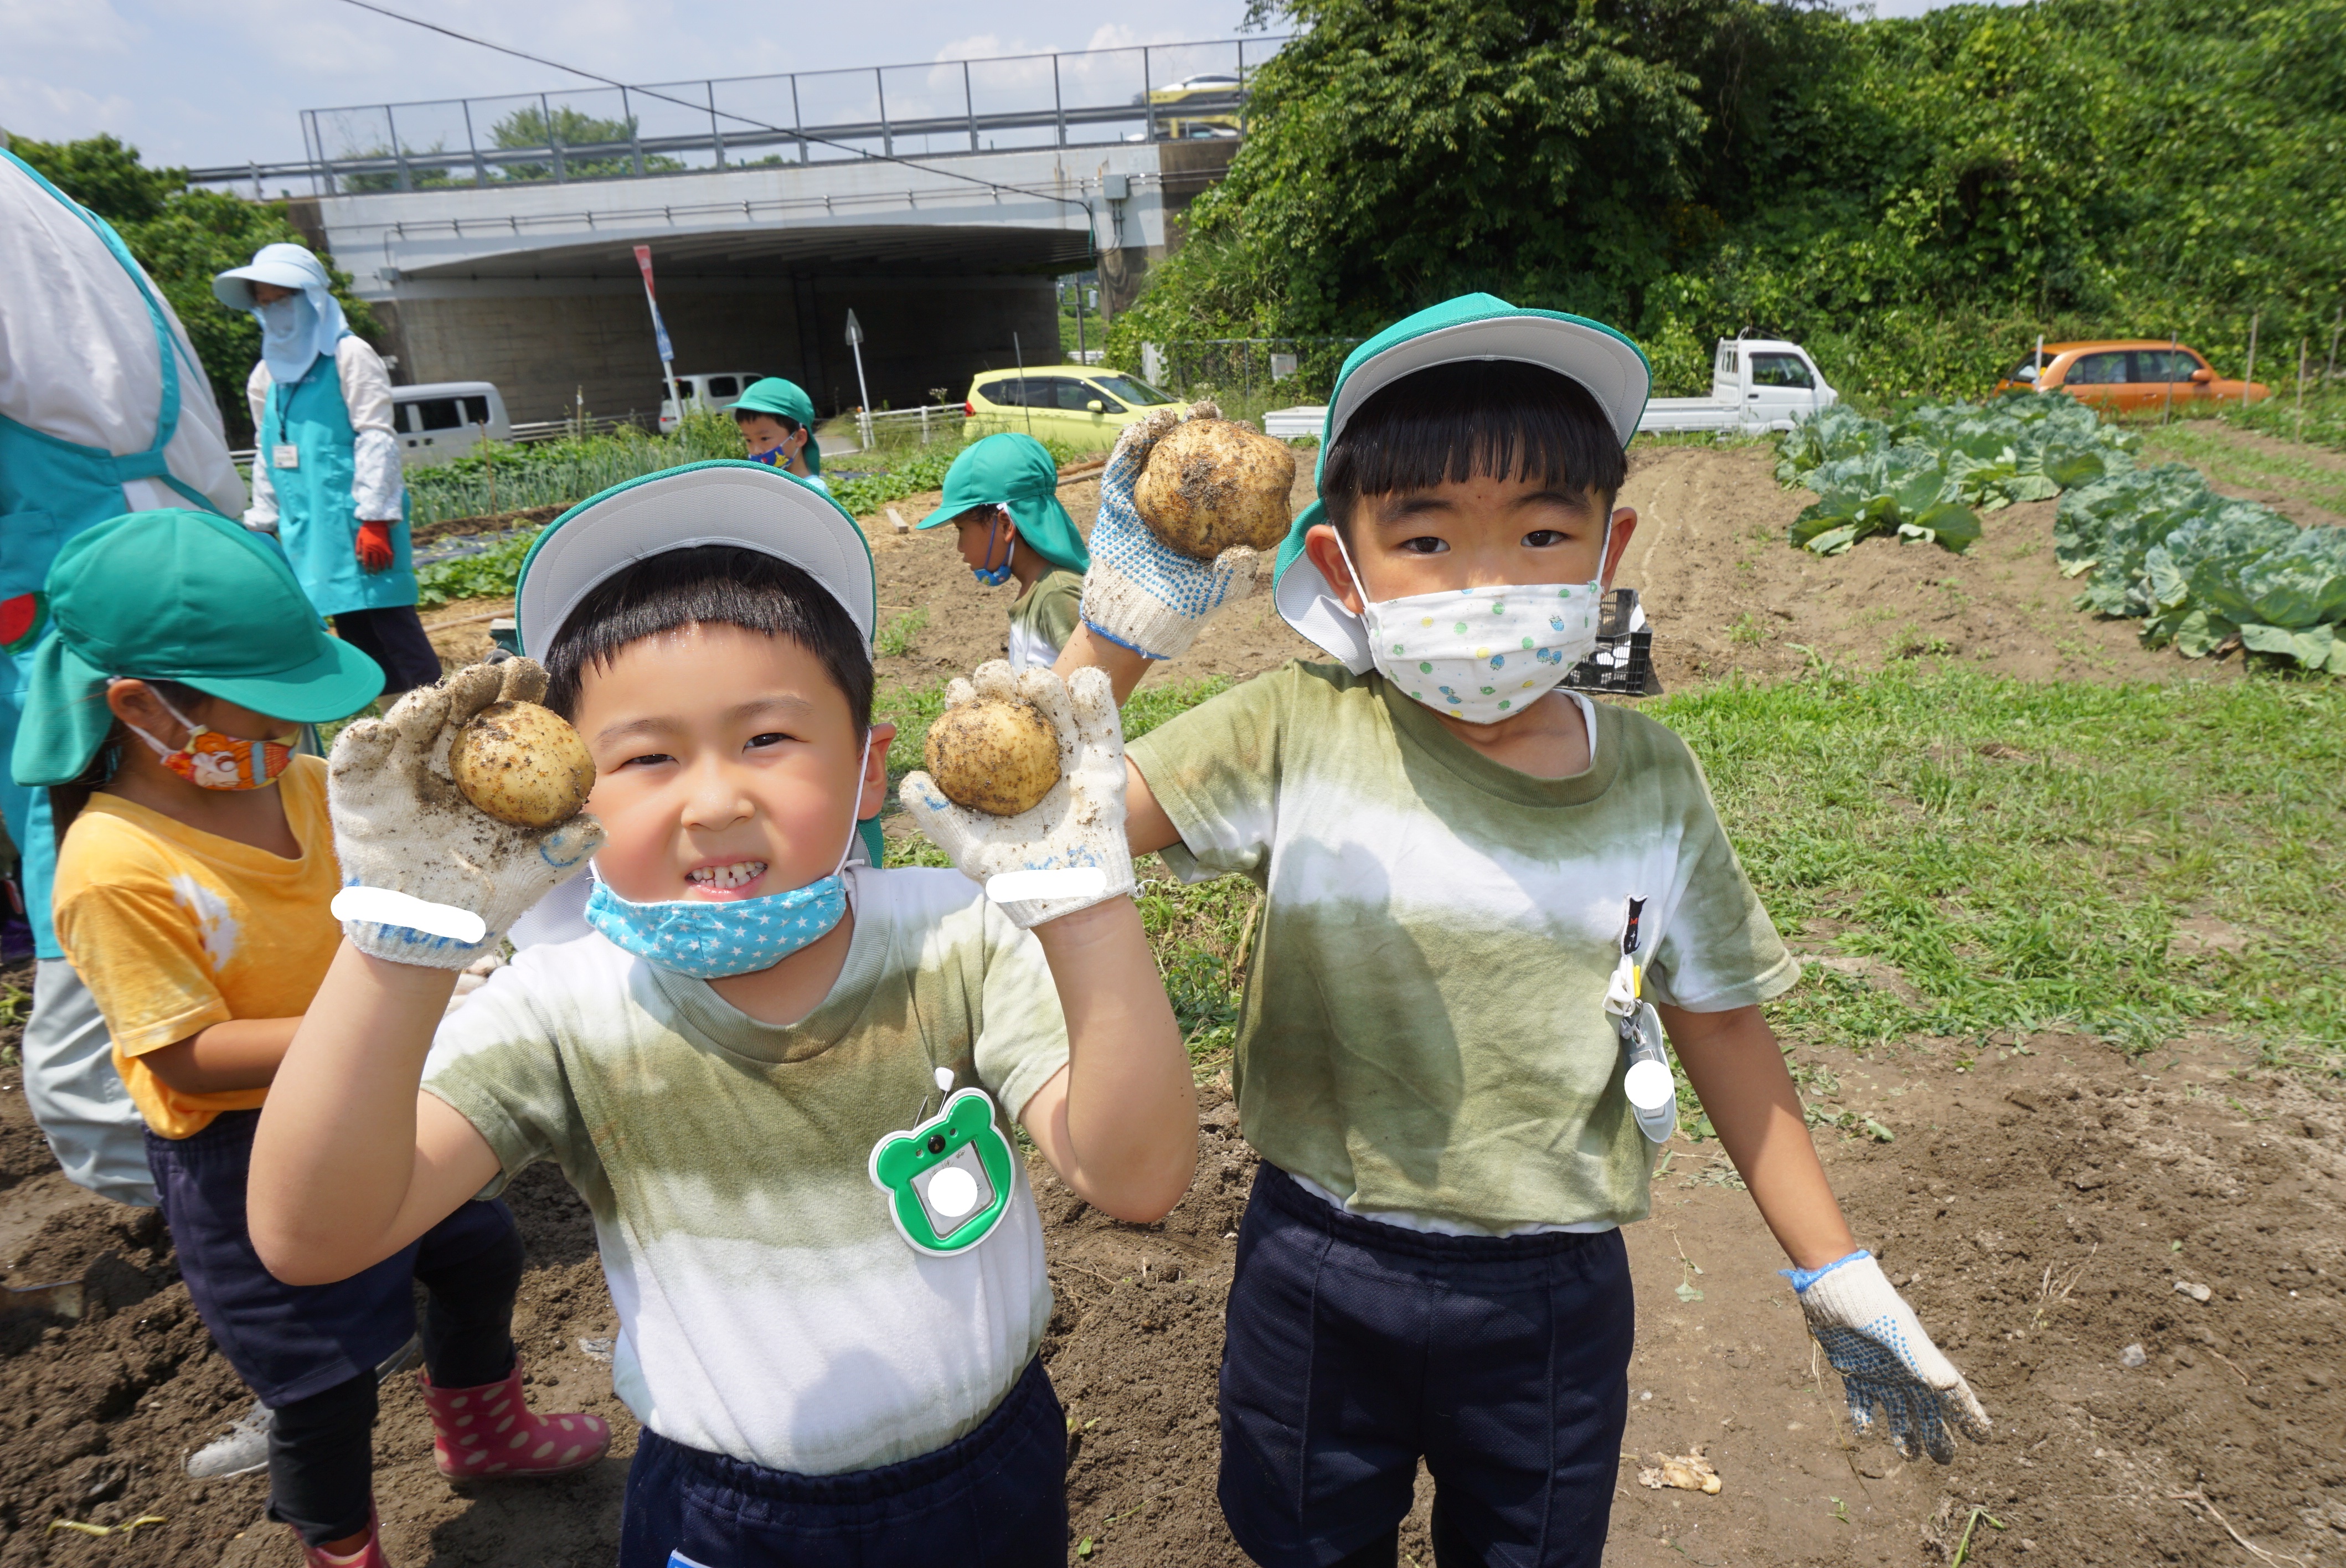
{"type": "Point", "coordinates": [1090, 97]}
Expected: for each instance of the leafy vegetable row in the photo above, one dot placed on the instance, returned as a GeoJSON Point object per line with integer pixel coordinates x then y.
{"type": "Point", "coordinates": [1925, 474]}
{"type": "Point", "coordinates": [2199, 568]}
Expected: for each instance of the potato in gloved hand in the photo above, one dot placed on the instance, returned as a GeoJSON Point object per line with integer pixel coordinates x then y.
{"type": "Point", "coordinates": [1213, 484]}
{"type": "Point", "coordinates": [420, 862]}
{"type": "Point", "coordinates": [1077, 825]}
{"type": "Point", "coordinates": [522, 764]}
{"type": "Point", "coordinates": [997, 754]}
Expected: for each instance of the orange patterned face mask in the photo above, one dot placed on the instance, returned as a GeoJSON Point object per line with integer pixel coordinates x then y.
{"type": "Point", "coordinates": [210, 760]}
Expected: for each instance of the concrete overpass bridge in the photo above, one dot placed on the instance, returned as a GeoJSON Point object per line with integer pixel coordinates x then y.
{"type": "Point", "coordinates": [494, 236]}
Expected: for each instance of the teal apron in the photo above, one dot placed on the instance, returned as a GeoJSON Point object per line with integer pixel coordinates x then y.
{"type": "Point", "coordinates": [317, 521]}
{"type": "Point", "coordinates": [50, 489]}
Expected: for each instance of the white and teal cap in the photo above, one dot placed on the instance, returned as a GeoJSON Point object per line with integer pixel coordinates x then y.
{"type": "Point", "coordinates": [727, 502]}
{"type": "Point", "coordinates": [1470, 326]}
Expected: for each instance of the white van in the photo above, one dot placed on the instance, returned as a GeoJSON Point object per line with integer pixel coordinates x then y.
{"type": "Point", "coordinates": [436, 421]}
{"type": "Point", "coordinates": [711, 390]}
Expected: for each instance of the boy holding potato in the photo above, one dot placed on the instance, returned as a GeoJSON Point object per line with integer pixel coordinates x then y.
{"type": "Point", "coordinates": [784, 1084]}
{"type": "Point", "coordinates": [1473, 886]}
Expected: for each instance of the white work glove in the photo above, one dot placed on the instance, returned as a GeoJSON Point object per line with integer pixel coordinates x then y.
{"type": "Point", "coordinates": [1141, 593]}
{"type": "Point", "coordinates": [1079, 823]}
{"type": "Point", "coordinates": [401, 824]}
{"type": "Point", "coordinates": [1877, 1345]}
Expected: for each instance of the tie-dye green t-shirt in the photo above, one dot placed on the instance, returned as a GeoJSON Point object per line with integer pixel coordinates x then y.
{"type": "Point", "coordinates": [768, 1308]}
{"type": "Point", "coordinates": [1422, 1032]}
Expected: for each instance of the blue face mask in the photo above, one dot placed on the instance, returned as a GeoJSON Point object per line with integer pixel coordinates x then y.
{"type": "Point", "coordinates": [289, 329]}
{"type": "Point", "coordinates": [712, 939]}
{"type": "Point", "coordinates": [994, 576]}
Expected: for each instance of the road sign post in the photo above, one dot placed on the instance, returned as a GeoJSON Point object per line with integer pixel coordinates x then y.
{"type": "Point", "coordinates": [863, 414]}
{"type": "Point", "coordinates": [659, 331]}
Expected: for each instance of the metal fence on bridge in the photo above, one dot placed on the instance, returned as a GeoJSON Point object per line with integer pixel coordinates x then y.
{"type": "Point", "coordinates": [1094, 97]}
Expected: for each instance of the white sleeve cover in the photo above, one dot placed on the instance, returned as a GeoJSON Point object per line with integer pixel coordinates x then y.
{"type": "Point", "coordinates": [377, 487]}
{"type": "Point", "coordinates": [262, 513]}
{"type": "Point", "coordinates": [78, 352]}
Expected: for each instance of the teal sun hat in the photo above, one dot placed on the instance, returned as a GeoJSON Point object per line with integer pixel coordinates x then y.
{"type": "Point", "coordinates": [1611, 367]}
{"type": "Point", "coordinates": [182, 596]}
{"type": "Point", "coordinates": [729, 501]}
{"type": "Point", "coordinates": [1016, 473]}
{"type": "Point", "coordinates": [785, 400]}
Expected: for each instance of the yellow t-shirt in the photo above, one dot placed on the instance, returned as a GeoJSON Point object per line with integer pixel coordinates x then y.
{"type": "Point", "coordinates": [175, 930]}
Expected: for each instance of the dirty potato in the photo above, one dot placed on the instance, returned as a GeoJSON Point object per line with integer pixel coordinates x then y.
{"type": "Point", "coordinates": [1211, 485]}
{"type": "Point", "coordinates": [993, 756]}
{"type": "Point", "coordinates": [522, 764]}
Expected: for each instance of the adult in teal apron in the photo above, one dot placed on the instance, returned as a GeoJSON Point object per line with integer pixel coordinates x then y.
{"type": "Point", "coordinates": [306, 438]}
{"type": "Point", "coordinates": [50, 491]}
{"type": "Point", "coordinates": [341, 510]}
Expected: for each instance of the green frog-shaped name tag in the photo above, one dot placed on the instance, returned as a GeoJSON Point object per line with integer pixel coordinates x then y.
{"type": "Point", "coordinates": [948, 1180]}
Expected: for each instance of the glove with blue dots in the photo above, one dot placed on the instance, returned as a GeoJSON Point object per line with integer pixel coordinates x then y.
{"type": "Point", "coordinates": [1885, 1359]}
{"type": "Point", "coordinates": [1140, 594]}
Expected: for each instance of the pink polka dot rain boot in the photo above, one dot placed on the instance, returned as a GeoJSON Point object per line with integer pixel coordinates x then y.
{"type": "Point", "coordinates": [490, 1432]}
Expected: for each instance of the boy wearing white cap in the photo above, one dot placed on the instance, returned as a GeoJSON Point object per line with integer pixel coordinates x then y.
{"type": "Point", "coordinates": [784, 1084]}
{"type": "Point", "coordinates": [1484, 898]}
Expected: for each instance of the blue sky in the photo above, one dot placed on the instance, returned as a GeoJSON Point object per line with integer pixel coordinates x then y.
{"type": "Point", "coordinates": [206, 83]}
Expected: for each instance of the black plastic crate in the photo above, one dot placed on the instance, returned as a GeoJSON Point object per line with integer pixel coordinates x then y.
{"type": "Point", "coordinates": [1623, 663]}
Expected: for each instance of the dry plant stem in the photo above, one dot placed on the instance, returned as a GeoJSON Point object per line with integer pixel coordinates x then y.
{"type": "Point", "coordinates": [2227, 1361]}
{"type": "Point", "coordinates": [2189, 1499]}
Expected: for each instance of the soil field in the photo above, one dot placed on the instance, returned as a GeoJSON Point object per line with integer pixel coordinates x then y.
{"type": "Point", "coordinates": [2040, 1202]}
{"type": "Point", "coordinates": [1723, 590]}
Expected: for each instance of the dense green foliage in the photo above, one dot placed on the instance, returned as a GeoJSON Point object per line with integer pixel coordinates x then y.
{"type": "Point", "coordinates": [184, 237]}
{"type": "Point", "coordinates": [1913, 199]}
{"type": "Point", "coordinates": [1919, 474]}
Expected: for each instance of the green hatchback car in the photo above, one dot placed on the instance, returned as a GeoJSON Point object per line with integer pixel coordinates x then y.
{"type": "Point", "coordinates": [1084, 406]}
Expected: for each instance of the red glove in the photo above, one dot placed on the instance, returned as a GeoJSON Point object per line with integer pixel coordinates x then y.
{"type": "Point", "coordinates": [374, 545]}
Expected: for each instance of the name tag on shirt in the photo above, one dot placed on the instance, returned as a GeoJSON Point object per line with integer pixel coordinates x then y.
{"type": "Point", "coordinates": [285, 454]}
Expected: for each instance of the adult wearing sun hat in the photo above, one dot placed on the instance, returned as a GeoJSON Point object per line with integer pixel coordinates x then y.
{"type": "Point", "coordinates": [325, 470]}
{"type": "Point", "coordinates": [1002, 494]}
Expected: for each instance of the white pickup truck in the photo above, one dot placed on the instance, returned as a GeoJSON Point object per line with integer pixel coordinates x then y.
{"type": "Point", "coordinates": [1756, 384]}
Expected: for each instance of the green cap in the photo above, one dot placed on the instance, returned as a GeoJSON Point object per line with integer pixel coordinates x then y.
{"type": "Point", "coordinates": [784, 400]}
{"type": "Point", "coordinates": [1015, 471]}
{"type": "Point", "coordinates": [1470, 326]}
{"type": "Point", "coordinates": [179, 596]}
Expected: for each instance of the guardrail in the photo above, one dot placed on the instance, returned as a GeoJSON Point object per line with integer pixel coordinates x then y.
{"type": "Point", "coordinates": [1087, 97]}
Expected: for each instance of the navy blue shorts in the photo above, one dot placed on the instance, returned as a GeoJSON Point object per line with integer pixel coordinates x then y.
{"type": "Point", "coordinates": [994, 1498]}
{"type": "Point", "coordinates": [1356, 1347]}
{"type": "Point", "coordinates": [291, 1342]}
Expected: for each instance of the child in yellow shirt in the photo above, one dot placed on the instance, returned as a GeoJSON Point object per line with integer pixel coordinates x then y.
{"type": "Point", "coordinates": [194, 877]}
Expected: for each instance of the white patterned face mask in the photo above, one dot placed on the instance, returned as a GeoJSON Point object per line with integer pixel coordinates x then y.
{"type": "Point", "coordinates": [1480, 655]}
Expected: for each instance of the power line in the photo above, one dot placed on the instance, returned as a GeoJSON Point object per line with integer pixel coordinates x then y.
{"type": "Point", "coordinates": [711, 107]}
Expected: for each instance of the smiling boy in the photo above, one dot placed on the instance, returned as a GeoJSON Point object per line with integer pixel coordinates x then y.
{"type": "Point", "coordinates": [830, 1297]}
{"type": "Point", "coordinates": [1471, 881]}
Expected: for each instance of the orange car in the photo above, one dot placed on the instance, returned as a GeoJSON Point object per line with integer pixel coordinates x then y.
{"type": "Point", "coordinates": [2129, 376]}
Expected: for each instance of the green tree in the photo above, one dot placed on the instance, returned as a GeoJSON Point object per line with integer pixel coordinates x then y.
{"type": "Point", "coordinates": [184, 237]}
{"type": "Point", "coordinates": [1916, 199]}
{"type": "Point", "coordinates": [567, 128]}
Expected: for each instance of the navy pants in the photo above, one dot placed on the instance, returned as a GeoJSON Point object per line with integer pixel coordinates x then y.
{"type": "Point", "coordinates": [1354, 1348]}
{"type": "Point", "coordinates": [994, 1498]}
{"type": "Point", "coordinates": [395, 640]}
{"type": "Point", "coordinates": [310, 1351]}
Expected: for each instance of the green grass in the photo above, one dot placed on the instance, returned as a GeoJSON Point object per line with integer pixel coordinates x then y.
{"type": "Point", "coordinates": [2022, 854]}
{"type": "Point", "coordinates": [2202, 443]}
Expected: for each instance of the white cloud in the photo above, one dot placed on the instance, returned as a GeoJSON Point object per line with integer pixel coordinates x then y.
{"type": "Point", "coordinates": [90, 27]}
